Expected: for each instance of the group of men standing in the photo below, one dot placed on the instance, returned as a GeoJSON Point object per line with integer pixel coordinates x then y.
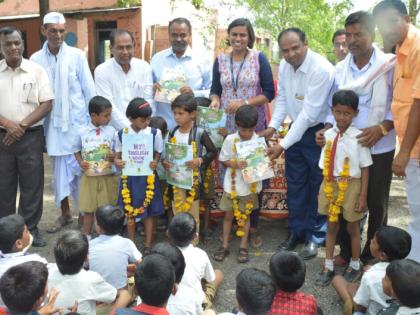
{"type": "Point", "coordinates": [388, 88]}
{"type": "Point", "coordinates": [389, 104]}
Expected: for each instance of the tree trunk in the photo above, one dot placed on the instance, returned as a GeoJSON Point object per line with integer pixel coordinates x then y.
{"type": "Point", "coordinates": [413, 10]}
{"type": "Point", "coordinates": [44, 8]}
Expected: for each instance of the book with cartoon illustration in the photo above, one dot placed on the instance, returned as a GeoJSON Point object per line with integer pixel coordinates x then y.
{"type": "Point", "coordinates": [258, 164]}
{"type": "Point", "coordinates": [212, 120]}
{"type": "Point", "coordinates": [137, 152]}
{"type": "Point", "coordinates": [170, 83]}
{"type": "Point", "coordinates": [95, 150]}
{"type": "Point", "coordinates": [178, 174]}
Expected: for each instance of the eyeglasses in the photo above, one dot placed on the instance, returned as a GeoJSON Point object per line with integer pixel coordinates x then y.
{"type": "Point", "coordinates": [54, 31]}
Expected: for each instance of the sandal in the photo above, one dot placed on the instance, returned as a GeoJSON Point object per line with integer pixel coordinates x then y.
{"type": "Point", "coordinates": [59, 224]}
{"type": "Point", "coordinates": [221, 254]}
{"type": "Point", "coordinates": [243, 256]}
{"type": "Point", "coordinates": [255, 239]}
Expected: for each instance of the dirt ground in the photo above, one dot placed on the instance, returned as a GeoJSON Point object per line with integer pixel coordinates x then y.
{"type": "Point", "coordinates": [273, 232]}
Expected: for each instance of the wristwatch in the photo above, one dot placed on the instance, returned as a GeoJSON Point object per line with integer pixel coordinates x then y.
{"type": "Point", "coordinates": [383, 129]}
{"type": "Point", "coordinates": [246, 102]}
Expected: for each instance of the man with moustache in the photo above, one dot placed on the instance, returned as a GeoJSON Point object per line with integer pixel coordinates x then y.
{"type": "Point", "coordinates": [305, 81]}
{"type": "Point", "coordinates": [73, 86]}
{"type": "Point", "coordinates": [25, 99]}
{"type": "Point", "coordinates": [181, 58]}
{"type": "Point", "coordinates": [367, 71]}
{"type": "Point", "coordinates": [123, 77]}
{"type": "Point", "coordinates": [339, 45]}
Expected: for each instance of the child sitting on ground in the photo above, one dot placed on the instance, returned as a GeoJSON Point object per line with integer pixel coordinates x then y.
{"type": "Point", "coordinates": [98, 185]}
{"type": "Point", "coordinates": [254, 292]}
{"type": "Point", "coordinates": [388, 244]}
{"type": "Point", "coordinates": [184, 108]}
{"type": "Point", "coordinates": [345, 163]}
{"type": "Point", "coordinates": [180, 302]}
{"type": "Point", "coordinates": [154, 283]}
{"type": "Point", "coordinates": [24, 289]}
{"type": "Point", "coordinates": [15, 240]}
{"type": "Point", "coordinates": [110, 254]}
{"type": "Point", "coordinates": [239, 199]}
{"type": "Point", "coordinates": [288, 271]}
{"type": "Point", "coordinates": [182, 232]}
{"type": "Point", "coordinates": [402, 282]}
{"type": "Point", "coordinates": [76, 284]}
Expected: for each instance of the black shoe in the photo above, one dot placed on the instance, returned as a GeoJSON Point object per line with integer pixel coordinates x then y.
{"type": "Point", "coordinates": [324, 278]}
{"type": "Point", "coordinates": [352, 275]}
{"type": "Point", "coordinates": [290, 243]}
{"type": "Point", "coordinates": [38, 241]}
{"type": "Point", "coordinates": [309, 251]}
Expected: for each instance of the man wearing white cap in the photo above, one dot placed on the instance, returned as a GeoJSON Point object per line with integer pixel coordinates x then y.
{"type": "Point", "coordinates": [73, 87]}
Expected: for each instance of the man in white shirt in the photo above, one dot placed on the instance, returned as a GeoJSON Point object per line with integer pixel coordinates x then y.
{"type": "Point", "coordinates": [123, 77]}
{"type": "Point", "coordinates": [73, 86]}
{"type": "Point", "coordinates": [25, 99]}
{"type": "Point", "coordinates": [368, 72]}
{"type": "Point", "coordinates": [305, 81]}
{"type": "Point", "coordinates": [181, 58]}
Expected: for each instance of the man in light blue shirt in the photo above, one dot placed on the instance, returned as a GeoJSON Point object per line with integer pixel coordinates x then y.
{"type": "Point", "coordinates": [73, 85]}
{"type": "Point", "coordinates": [181, 58]}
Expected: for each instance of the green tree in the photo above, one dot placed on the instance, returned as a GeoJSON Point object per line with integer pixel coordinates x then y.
{"type": "Point", "coordinates": [413, 9]}
{"type": "Point", "coordinates": [317, 18]}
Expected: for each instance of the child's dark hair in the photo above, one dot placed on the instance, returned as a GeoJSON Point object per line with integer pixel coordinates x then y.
{"type": "Point", "coordinates": [70, 252]}
{"type": "Point", "coordinates": [185, 101]}
{"type": "Point", "coordinates": [203, 101]}
{"type": "Point", "coordinates": [98, 104]}
{"type": "Point", "coordinates": [154, 279]}
{"type": "Point", "coordinates": [159, 123]}
{"type": "Point", "coordinates": [405, 280]}
{"type": "Point", "coordinates": [110, 219]}
{"type": "Point", "coordinates": [138, 107]}
{"type": "Point", "coordinates": [175, 256]}
{"type": "Point", "coordinates": [23, 285]}
{"type": "Point", "coordinates": [246, 116]}
{"type": "Point", "coordinates": [254, 291]}
{"type": "Point", "coordinates": [288, 271]}
{"type": "Point", "coordinates": [11, 229]}
{"type": "Point", "coordinates": [394, 242]}
{"type": "Point", "coordinates": [347, 98]}
{"type": "Point", "coordinates": [182, 229]}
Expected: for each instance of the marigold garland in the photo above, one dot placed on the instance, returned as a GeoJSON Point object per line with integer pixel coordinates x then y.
{"type": "Point", "coordinates": [208, 176]}
{"type": "Point", "coordinates": [181, 202]}
{"type": "Point", "coordinates": [129, 210]}
{"type": "Point", "coordinates": [241, 215]}
{"type": "Point", "coordinates": [334, 208]}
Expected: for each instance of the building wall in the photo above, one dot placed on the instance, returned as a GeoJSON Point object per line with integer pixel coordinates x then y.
{"type": "Point", "coordinates": [22, 7]}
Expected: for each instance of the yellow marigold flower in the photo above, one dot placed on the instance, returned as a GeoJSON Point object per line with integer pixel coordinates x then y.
{"type": "Point", "coordinates": [240, 233]}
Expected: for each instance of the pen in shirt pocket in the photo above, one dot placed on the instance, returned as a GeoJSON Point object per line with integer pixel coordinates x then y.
{"type": "Point", "coordinates": [299, 97]}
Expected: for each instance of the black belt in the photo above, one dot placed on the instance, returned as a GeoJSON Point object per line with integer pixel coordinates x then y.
{"type": "Point", "coordinates": [30, 129]}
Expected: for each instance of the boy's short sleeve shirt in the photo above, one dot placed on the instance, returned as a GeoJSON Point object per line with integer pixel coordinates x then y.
{"type": "Point", "coordinates": [86, 287]}
{"type": "Point", "coordinates": [347, 146]}
{"type": "Point", "coordinates": [198, 267]}
{"type": "Point", "coordinates": [370, 293]}
{"type": "Point", "coordinates": [12, 259]}
{"type": "Point", "coordinates": [158, 143]}
{"type": "Point", "coordinates": [227, 154]}
{"type": "Point", "coordinates": [109, 255]}
{"type": "Point", "coordinates": [182, 304]}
